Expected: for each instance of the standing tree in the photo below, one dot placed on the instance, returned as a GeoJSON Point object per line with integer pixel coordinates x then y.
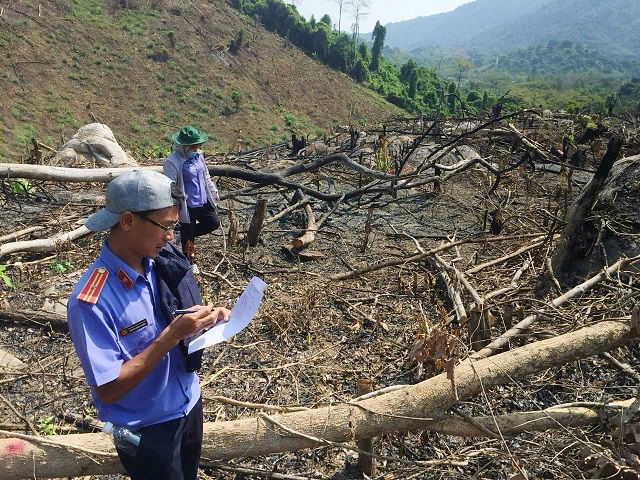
{"type": "Point", "coordinates": [462, 66]}
{"type": "Point", "coordinates": [359, 10]}
{"type": "Point", "coordinates": [452, 98]}
{"type": "Point", "coordinates": [340, 4]}
{"type": "Point", "coordinates": [321, 41]}
{"type": "Point", "coordinates": [413, 84]}
{"type": "Point", "coordinates": [378, 35]}
{"type": "Point", "coordinates": [360, 72]}
{"type": "Point", "coordinates": [326, 19]}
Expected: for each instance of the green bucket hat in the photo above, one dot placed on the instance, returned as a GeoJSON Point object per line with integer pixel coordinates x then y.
{"type": "Point", "coordinates": [189, 136]}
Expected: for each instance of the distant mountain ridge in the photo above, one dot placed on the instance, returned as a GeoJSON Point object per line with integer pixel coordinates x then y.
{"type": "Point", "coordinates": [610, 26]}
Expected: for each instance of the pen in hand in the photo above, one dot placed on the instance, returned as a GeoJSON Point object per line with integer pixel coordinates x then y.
{"type": "Point", "coordinates": [188, 310]}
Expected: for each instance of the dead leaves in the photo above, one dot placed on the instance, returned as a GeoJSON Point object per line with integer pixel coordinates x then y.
{"type": "Point", "coordinates": [435, 348]}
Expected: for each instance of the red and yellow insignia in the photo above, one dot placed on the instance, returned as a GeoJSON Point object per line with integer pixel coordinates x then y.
{"type": "Point", "coordinates": [91, 290]}
{"type": "Point", "coordinates": [124, 279]}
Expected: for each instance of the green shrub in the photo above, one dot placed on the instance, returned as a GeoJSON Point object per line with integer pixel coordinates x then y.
{"type": "Point", "coordinates": [58, 266]}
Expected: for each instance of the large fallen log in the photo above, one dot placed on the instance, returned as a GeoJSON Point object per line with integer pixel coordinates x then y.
{"type": "Point", "coordinates": [510, 424]}
{"type": "Point", "coordinates": [64, 174]}
{"type": "Point", "coordinates": [44, 245]}
{"type": "Point", "coordinates": [413, 407]}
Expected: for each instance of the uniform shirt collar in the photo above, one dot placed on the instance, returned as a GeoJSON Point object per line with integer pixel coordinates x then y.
{"type": "Point", "coordinates": [114, 265]}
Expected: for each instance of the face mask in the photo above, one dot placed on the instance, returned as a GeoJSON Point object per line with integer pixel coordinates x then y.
{"type": "Point", "coordinates": [192, 155]}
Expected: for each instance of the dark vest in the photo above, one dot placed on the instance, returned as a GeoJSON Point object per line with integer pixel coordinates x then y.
{"type": "Point", "coordinates": [177, 289]}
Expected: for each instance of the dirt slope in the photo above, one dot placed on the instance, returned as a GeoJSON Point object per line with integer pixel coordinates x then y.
{"type": "Point", "coordinates": [150, 68]}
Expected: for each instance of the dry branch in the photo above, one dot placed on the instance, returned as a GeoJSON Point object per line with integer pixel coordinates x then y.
{"type": "Point", "coordinates": [454, 295]}
{"type": "Point", "coordinates": [422, 255]}
{"type": "Point", "coordinates": [507, 257]}
{"type": "Point", "coordinates": [523, 325]}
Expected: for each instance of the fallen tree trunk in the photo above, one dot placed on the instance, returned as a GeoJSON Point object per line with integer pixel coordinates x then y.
{"type": "Point", "coordinates": [12, 237]}
{"type": "Point", "coordinates": [44, 245]}
{"type": "Point", "coordinates": [511, 424]}
{"type": "Point", "coordinates": [413, 407]}
{"type": "Point", "coordinates": [64, 174]}
{"type": "Point", "coordinates": [41, 318]}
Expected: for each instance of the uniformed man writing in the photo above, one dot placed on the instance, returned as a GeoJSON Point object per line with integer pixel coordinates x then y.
{"type": "Point", "coordinates": [122, 320]}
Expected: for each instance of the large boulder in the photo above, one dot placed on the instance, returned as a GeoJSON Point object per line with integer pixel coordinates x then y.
{"type": "Point", "coordinates": [95, 144]}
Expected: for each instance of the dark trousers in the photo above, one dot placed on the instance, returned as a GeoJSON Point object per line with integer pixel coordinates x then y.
{"type": "Point", "coordinates": [204, 220]}
{"type": "Point", "coordinates": [168, 450]}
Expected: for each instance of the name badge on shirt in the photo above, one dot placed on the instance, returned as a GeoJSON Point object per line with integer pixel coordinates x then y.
{"type": "Point", "coordinates": [133, 328]}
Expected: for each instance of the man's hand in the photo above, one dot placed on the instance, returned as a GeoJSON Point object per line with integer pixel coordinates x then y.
{"type": "Point", "coordinates": [188, 324]}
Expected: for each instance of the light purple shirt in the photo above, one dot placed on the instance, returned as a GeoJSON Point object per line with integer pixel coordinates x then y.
{"type": "Point", "coordinates": [193, 178]}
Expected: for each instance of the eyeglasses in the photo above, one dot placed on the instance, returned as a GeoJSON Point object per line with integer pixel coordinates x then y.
{"type": "Point", "coordinates": [158, 224]}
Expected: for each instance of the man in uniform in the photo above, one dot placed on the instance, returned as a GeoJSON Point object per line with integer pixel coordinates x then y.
{"type": "Point", "coordinates": [127, 335]}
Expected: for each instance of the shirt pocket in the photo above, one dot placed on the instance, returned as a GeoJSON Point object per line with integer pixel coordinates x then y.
{"type": "Point", "coordinates": [132, 343]}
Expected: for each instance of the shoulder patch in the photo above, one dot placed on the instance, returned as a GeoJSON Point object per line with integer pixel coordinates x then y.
{"type": "Point", "coordinates": [124, 279]}
{"type": "Point", "coordinates": [91, 290]}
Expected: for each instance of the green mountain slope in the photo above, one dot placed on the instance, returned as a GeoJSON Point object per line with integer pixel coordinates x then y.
{"type": "Point", "coordinates": [147, 68]}
{"type": "Point", "coordinates": [609, 27]}
{"type": "Point", "coordinates": [456, 28]}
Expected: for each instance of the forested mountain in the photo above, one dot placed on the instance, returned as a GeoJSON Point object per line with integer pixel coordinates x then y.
{"type": "Point", "coordinates": [564, 57]}
{"type": "Point", "coordinates": [609, 27]}
{"type": "Point", "coordinates": [456, 28]}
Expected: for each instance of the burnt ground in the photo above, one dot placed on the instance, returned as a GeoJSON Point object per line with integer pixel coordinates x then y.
{"type": "Point", "coordinates": [314, 337]}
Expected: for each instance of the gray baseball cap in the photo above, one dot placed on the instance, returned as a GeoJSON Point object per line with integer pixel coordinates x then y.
{"type": "Point", "coordinates": [136, 191]}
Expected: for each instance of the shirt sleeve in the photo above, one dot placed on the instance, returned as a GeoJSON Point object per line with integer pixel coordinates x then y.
{"type": "Point", "coordinates": [95, 342]}
{"type": "Point", "coordinates": [170, 170]}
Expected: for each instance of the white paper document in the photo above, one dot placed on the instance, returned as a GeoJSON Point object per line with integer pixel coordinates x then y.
{"type": "Point", "coordinates": [241, 314]}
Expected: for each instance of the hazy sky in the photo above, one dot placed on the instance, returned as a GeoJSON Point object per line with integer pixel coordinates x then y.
{"type": "Point", "coordinates": [383, 10]}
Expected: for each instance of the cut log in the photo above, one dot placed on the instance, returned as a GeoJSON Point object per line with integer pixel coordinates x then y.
{"type": "Point", "coordinates": [309, 235]}
{"type": "Point", "coordinates": [414, 407]}
{"type": "Point", "coordinates": [41, 318]}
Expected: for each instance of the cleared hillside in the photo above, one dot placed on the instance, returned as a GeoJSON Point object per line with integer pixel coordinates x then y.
{"type": "Point", "coordinates": [149, 68]}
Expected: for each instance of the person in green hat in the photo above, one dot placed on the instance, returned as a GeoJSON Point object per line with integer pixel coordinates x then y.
{"type": "Point", "coordinates": [185, 166]}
